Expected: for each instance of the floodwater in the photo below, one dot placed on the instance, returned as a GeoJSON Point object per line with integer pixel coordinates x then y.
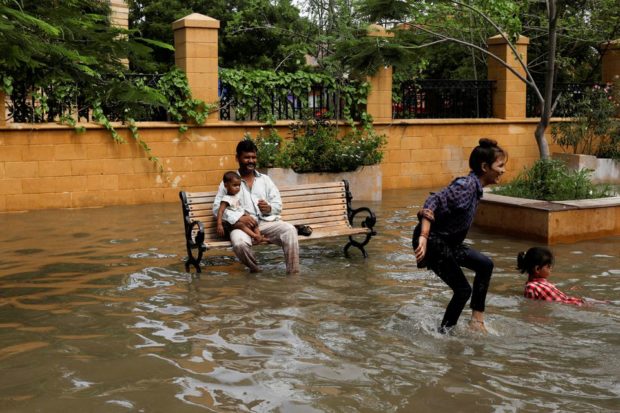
{"type": "Point", "coordinates": [98, 315]}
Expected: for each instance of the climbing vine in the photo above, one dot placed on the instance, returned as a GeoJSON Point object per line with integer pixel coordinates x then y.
{"type": "Point", "coordinates": [125, 98]}
{"type": "Point", "coordinates": [245, 88]}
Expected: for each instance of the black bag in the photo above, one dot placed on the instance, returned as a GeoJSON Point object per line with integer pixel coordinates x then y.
{"type": "Point", "coordinates": [304, 230]}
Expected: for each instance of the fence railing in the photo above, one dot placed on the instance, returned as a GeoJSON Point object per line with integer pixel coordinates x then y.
{"type": "Point", "coordinates": [571, 93]}
{"type": "Point", "coordinates": [315, 102]}
{"type": "Point", "coordinates": [444, 99]}
{"type": "Point", "coordinates": [415, 99]}
{"type": "Point", "coordinates": [30, 104]}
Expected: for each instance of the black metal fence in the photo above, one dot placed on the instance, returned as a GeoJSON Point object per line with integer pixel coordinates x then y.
{"type": "Point", "coordinates": [427, 99]}
{"type": "Point", "coordinates": [444, 99]}
{"type": "Point", "coordinates": [570, 94]}
{"type": "Point", "coordinates": [315, 102]}
{"type": "Point", "coordinates": [31, 104]}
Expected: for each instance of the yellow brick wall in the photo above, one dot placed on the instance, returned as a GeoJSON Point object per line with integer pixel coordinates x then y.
{"type": "Point", "coordinates": [50, 166]}
{"type": "Point", "coordinates": [429, 154]}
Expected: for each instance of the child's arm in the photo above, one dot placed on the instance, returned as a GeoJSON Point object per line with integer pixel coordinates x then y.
{"type": "Point", "coordinates": [220, 212]}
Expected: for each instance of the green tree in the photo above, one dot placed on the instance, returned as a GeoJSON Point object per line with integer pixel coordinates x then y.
{"type": "Point", "coordinates": [557, 30]}
{"type": "Point", "coordinates": [66, 46]}
{"type": "Point", "coordinates": [153, 19]}
{"type": "Point", "coordinates": [254, 34]}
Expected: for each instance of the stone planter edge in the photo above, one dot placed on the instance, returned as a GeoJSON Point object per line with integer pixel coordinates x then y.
{"type": "Point", "coordinates": [365, 182]}
{"type": "Point", "coordinates": [550, 222]}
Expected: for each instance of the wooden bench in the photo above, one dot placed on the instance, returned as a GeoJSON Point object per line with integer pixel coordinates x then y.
{"type": "Point", "coordinates": [325, 207]}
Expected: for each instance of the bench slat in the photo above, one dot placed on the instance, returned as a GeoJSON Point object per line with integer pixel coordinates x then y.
{"type": "Point", "coordinates": [316, 221]}
{"type": "Point", "coordinates": [317, 234]}
{"type": "Point", "coordinates": [284, 190]}
{"type": "Point", "coordinates": [303, 187]}
{"type": "Point", "coordinates": [289, 207]}
{"type": "Point", "coordinates": [313, 191]}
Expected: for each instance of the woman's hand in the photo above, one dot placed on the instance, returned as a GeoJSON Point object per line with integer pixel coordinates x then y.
{"type": "Point", "coordinates": [420, 252]}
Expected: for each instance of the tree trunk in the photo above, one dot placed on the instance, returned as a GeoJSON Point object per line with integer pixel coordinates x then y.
{"type": "Point", "coordinates": [547, 104]}
{"type": "Point", "coordinates": [541, 141]}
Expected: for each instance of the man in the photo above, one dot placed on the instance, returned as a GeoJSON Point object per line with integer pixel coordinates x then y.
{"type": "Point", "coordinates": [261, 200]}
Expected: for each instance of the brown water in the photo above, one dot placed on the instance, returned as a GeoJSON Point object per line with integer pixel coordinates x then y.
{"type": "Point", "coordinates": [98, 315]}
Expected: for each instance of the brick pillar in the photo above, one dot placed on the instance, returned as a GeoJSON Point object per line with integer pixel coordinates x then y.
{"type": "Point", "coordinates": [509, 93]}
{"type": "Point", "coordinates": [196, 53]}
{"type": "Point", "coordinates": [611, 61]}
{"type": "Point", "coordinates": [119, 13]}
{"type": "Point", "coordinates": [119, 17]}
{"type": "Point", "coordinates": [379, 104]}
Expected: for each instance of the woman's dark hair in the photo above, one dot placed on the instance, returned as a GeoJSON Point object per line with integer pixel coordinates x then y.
{"type": "Point", "coordinates": [246, 145]}
{"type": "Point", "coordinates": [487, 151]}
{"type": "Point", "coordinates": [534, 257]}
{"type": "Point", "coordinates": [229, 176]}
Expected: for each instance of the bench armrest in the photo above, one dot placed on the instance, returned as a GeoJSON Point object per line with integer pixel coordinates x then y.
{"type": "Point", "coordinates": [198, 241]}
{"type": "Point", "coordinates": [368, 222]}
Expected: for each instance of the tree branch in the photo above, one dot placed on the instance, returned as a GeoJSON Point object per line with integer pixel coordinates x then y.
{"type": "Point", "coordinates": [526, 80]}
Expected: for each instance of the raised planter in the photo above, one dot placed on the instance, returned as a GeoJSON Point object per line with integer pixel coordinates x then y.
{"type": "Point", "coordinates": [606, 171]}
{"type": "Point", "coordinates": [365, 182]}
{"type": "Point", "coordinates": [550, 222]}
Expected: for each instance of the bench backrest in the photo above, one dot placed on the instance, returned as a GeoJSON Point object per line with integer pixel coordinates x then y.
{"type": "Point", "coordinates": [322, 206]}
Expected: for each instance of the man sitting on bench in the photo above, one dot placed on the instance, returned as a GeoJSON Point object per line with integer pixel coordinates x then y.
{"type": "Point", "coordinates": [261, 200]}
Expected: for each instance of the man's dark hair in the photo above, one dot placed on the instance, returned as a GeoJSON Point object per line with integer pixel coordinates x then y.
{"type": "Point", "coordinates": [246, 145]}
{"type": "Point", "coordinates": [229, 176]}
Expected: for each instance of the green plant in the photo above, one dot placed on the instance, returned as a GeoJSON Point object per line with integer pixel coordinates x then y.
{"type": "Point", "coordinates": [269, 148]}
{"type": "Point", "coordinates": [316, 146]}
{"type": "Point", "coordinates": [552, 180]}
{"type": "Point", "coordinates": [594, 129]}
{"type": "Point", "coordinates": [180, 104]}
{"type": "Point", "coordinates": [246, 88]}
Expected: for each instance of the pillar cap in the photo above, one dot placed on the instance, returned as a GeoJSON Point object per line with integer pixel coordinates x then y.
{"type": "Point", "coordinates": [196, 20]}
{"type": "Point", "coordinates": [498, 39]}
{"type": "Point", "coordinates": [610, 45]}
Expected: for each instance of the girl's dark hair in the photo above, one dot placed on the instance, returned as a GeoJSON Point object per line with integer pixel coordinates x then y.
{"type": "Point", "coordinates": [534, 257]}
{"type": "Point", "coordinates": [487, 151]}
{"type": "Point", "coordinates": [229, 176]}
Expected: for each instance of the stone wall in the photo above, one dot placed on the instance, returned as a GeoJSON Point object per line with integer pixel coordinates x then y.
{"type": "Point", "coordinates": [51, 166]}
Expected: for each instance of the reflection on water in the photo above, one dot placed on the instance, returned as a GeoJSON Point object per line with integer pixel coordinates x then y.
{"type": "Point", "coordinates": [96, 314]}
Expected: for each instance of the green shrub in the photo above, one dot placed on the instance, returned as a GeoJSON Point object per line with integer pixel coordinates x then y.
{"type": "Point", "coordinates": [552, 180]}
{"type": "Point", "coordinates": [594, 129]}
{"type": "Point", "coordinates": [269, 146]}
{"type": "Point", "coordinates": [316, 147]}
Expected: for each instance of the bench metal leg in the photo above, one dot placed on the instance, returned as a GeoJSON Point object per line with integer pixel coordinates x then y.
{"type": "Point", "coordinates": [369, 222]}
{"type": "Point", "coordinates": [358, 245]}
{"type": "Point", "coordinates": [191, 260]}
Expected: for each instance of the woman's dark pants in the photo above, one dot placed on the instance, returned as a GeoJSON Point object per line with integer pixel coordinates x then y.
{"type": "Point", "coordinates": [449, 270]}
